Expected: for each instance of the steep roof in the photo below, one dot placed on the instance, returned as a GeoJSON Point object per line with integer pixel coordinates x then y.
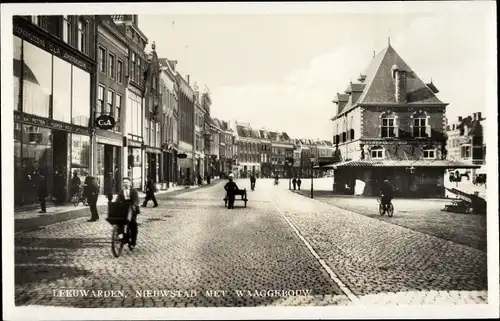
{"type": "Point", "coordinates": [285, 136]}
{"type": "Point", "coordinates": [244, 131]}
{"type": "Point", "coordinates": [474, 127]}
{"type": "Point", "coordinates": [379, 88]}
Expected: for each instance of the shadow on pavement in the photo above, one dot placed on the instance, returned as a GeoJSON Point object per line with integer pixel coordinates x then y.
{"type": "Point", "coordinates": [45, 259]}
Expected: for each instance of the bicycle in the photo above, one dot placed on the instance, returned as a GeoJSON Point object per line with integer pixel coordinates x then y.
{"type": "Point", "coordinates": [78, 198]}
{"type": "Point", "coordinates": [382, 209]}
{"type": "Point", "coordinates": [119, 217]}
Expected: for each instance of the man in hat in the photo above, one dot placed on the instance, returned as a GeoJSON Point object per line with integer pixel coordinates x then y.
{"type": "Point", "coordinates": [231, 189]}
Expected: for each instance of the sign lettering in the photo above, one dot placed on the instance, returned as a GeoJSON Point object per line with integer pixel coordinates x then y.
{"type": "Point", "coordinates": [105, 122]}
{"type": "Point", "coordinates": [39, 121]}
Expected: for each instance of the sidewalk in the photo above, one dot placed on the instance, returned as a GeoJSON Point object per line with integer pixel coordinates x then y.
{"type": "Point", "coordinates": [33, 220]}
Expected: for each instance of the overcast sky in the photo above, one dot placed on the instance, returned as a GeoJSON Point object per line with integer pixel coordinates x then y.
{"type": "Point", "coordinates": [281, 72]}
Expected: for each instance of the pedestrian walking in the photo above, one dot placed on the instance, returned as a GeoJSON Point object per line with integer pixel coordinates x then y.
{"type": "Point", "coordinates": [294, 183]}
{"type": "Point", "coordinates": [208, 178]}
{"type": "Point", "coordinates": [129, 195]}
{"type": "Point", "coordinates": [150, 193]}
{"type": "Point", "coordinates": [299, 182]}
{"type": "Point", "coordinates": [92, 193]}
{"type": "Point", "coordinates": [75, 184]}
{"type": "Point", "coordinates": [42, 192]}
{"type": "Point", "coordinates": [109, 186]}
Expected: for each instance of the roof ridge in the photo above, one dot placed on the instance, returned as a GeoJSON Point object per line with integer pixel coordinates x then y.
{"type": "Point", "coordinates": [369, 83]}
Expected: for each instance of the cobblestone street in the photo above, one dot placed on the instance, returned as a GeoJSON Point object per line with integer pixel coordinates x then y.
{"type": "Point", "coordinates": [283, 249]}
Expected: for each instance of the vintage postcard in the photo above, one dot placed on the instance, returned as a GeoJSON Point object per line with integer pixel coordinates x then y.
{"type": "Point", "coordinates": [249, 160]}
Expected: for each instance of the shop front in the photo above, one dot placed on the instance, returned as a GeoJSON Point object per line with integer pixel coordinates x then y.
{"type": "Point", "coordinates": [152, 163]}
{"type": "Point", "coordinates": [108, 160]}
{"type": "Point", "coordinates": [134, 165]}
{"type": "Point", "coordinates": [186, 167]}
{"type": "Point", "coordinates": [52, 95]}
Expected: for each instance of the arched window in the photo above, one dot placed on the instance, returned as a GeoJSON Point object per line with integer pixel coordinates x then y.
{"type": "Point", "coordinates": [388, 125]}
{"type": "Point", "coordinates": [420, 124]}
{"type": "Point", "coordinates": [377, 152]}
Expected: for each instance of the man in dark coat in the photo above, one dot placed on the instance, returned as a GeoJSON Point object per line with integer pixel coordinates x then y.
{"type": "Point", "coordinates": [150, 193]}
{"type": "Point", "coordinates": [109, 186]}
{"type": "Point", "coordinates": [75, 184]}
{"type": "Point", "coordinates": [129, 195]}
{"type": "Point", "coordinates": [92, 193]}
{"type": "Point", "coordinates": [294, 183]}
{"type": "Point", "coordinates": [231, 189]}
{"type": "Point", "coordinates": [252, 181]}
{"type": "Point", "coordinates": [42, 192]}
{"type": "Point", "coordinates": [299, 182]}
{"type": "Point", "coordinates": [386, 193]}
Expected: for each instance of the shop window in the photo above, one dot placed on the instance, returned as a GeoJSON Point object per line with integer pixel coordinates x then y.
{"type": "Point", "coordinates": [429, 153]}
{"type": "Point", "coordinates": [37, 80]}
{"type": "Point", "coordinates": [17, 63]}
{"type": "Point", "coordinates": [62, 91]}
{"type": "Point", "coordinates": [377, 152]}
{"type": "Point", "coordinates": [80, 111]}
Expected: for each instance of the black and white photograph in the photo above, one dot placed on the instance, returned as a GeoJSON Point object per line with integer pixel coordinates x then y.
{"type": "Point", "coordinates": [270, 160]}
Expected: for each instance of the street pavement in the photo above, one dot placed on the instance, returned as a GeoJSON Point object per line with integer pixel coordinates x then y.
{"type": "Point", "coordinates": [282, 249]}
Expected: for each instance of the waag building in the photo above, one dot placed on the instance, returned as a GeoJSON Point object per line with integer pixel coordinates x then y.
{"type": "Point", "coordinates": [54, 64]}
{"type": "Point", "coordinates": [390, 125]}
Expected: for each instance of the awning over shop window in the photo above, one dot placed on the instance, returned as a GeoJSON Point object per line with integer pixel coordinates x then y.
{"type": "Point", "coordinates": [399, 163]}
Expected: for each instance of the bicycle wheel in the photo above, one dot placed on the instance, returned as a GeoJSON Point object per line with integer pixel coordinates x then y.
{"type": "Point", "coordinates": [116, 242]}
{"type": "Point", "coordinates": [390, 210]}
{"type": "Point", "coordinates": [381, 209]}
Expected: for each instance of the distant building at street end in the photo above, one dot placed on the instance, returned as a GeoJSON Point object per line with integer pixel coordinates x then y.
{"type": "Point", "coordinates": [390, 125]}
{"type": "Point", "coordinates": [249, 146]}
{"type": "Point", "coordinates": [466, 141]}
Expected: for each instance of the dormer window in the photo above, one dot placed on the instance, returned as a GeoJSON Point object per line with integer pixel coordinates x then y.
{"type": "Point", "coordinates": [429, 153]}
{"type": "Point", "coordinates": [377, 152]}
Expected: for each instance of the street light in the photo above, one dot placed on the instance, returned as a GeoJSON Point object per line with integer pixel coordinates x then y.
{"type": "Point", "coordinates": [312, 176]}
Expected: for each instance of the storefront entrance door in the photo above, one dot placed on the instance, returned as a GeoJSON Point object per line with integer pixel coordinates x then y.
{"type": "Point", "coordinates": [60, 159]}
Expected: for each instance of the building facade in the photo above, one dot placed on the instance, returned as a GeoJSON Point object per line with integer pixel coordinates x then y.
{"type": "Point", "coordinates": [391, 125]}
{"type": "Point", "coordinates": [54, 90]}
{"type": "Point", "coordinates": [199, 125]}
{"type": "Point", "coordinates": [133, 142]}
{"type": "Point", "coordinates": [207, 133]}
{"type": "Point", "coordinates": [214, 161]}
{"type": "Point", "coordinates": [249, 141]}
{"type": "Point", "coordinates": [170, 132]}
{"type": "Point", "coordinates": [265, 154]}
{"type": "Point", "coordinates": [112, 63]}
{"type": "Point", "coordinates": [153, 121]}
{"type": "Point", "coordinates": [187, 130]}
{"type": "Point", "coordinates": [281, 154]}
{"type": "Point", "coordinates": [466, 139]}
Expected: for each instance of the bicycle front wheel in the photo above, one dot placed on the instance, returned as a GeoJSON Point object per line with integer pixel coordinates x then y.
{"type": "Point", "coordinates": [116, 242]}
{"type": "Point", "coordinates": [381, 209]}
{"type": "Point", "coordinates": [390, 210]}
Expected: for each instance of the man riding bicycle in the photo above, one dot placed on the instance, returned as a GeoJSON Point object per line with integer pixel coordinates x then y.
{"type": "Point", "coordinates": [129, 195]}
{"type": "Point", "coordinates": [386, 194]}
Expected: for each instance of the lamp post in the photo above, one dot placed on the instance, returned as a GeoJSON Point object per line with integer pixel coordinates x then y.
{"type": "Point", "coordinates": [289, 177]}
{"type": "Point", "coordinates": [312, 176]}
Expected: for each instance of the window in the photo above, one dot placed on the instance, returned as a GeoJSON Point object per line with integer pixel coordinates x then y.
{"type": "Point", "coordinates": [66, 20]}
{"type": "Point", "coordinates": [429, 153]}
{"type": "Point", "coordinates": [119, 71]}
{"type": "Point", "coordinates": [419, 127]}
{"type": "Point", "coordinates": [110, 102]}
{"type": "Point", "coordinates": [18, 47]}
{"type": "Point", "coordinates": [138, 76]}
{"type": "Point", "coordinates": [465, 152]}
{"type": "Point", "coordinates": [377, 152]}
{"type": "Point", "coordinates": [146, 138]}
{"type": "Point", "coordinates": [102, 59]}
{"type": "Point", "coordinates": [132, 67]}
{"type": "Point", "coordinates": [62, 91]}
{"type": "Point", "coordinates": [80, 112]}
{"type": "Point", "coordinates": [111, 66]}
{"type": "Point", "coordinates": [35, 20]}
{"type": "Point", "coordinates": [388, 128]}
{"type": "Point", "coordinates": [82, 36]}
{"type": "Point", "coordinates": [100, 99]}
{"type": "Point", "coordinates": [118, 107]}
{"type": "Point", "coordinates": [37, 80]}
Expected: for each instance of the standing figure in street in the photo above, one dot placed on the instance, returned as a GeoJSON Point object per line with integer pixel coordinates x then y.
{"type": "Point", "coordinates": [231, 189]}
{"type": "Point", "coordinates": [208, 178]}
{"type": "Point", "coordinates": [109, 186]}
{"type": "Point", "coordinates": [299, 182]}
{"type": "Point", "coordinates": [129, 195]}
{"type": "Point", "coordinates": [75, 184]}
{"type": "Point", "coordinates": [42, 192]}
{"type": "Point", "coordinates": [294, 183]}
{"type": "Point", "coordinates": [92, 193]}
{"type": "Point", "coordinates": [150, 193]}
{"type": "Point", "coordinates": [252, 181]}
{"type": "Point", "coordinates": [200, 179]}
{"type": "Point", "coordinates": [386, 194]}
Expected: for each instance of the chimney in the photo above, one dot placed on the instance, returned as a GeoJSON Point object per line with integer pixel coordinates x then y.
{"type": "Point", "coordinates": [459, 118]}
{"type": "Point", "coordinates": [479, 116]}
{"type": "Point", "coordinates": [474, 116]}
{"type": "Point", "coordinates": [399, 76]}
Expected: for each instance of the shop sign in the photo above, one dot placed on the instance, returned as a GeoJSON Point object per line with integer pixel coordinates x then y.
{"type": "Point", "coordinates": [45, 122]}
{"type": "Point", "coordinates": [105, 122]}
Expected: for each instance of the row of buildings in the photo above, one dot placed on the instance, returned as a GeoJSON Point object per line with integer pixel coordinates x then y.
{"type": "Point", "coordinates": [390, 124]}
{"type": "Point", "coordinates": [93, 97]}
